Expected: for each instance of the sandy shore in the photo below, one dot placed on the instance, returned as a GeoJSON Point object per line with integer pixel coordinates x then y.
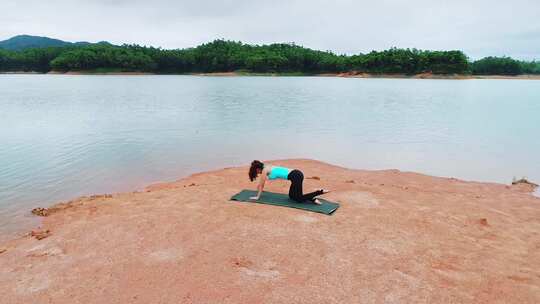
{"type": "Point", "coordinates": [431, 76]}
{"type": "Point", "coordinates": [531, 77]}
{"type": "Point", "coordinates": [98, 73]}
{"type": "Point", "coordinates": [342, 75]}
{"type": "Point", "coordinates": [397, 238]}
{"type": "Point", "coordinates": [389, 76]}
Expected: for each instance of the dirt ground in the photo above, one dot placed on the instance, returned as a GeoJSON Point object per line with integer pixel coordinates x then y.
{"type": "Point", "coordinates": [398, 237]}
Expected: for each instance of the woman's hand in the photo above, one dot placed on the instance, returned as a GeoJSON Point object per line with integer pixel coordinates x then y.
{"type": "Point", "coordinates": [254, 198]}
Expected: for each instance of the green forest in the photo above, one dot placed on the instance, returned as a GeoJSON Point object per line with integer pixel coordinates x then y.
{"type": "Point", "coordinates": [229, 56]}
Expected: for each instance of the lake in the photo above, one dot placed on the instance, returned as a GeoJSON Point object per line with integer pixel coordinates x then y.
{"type": "Point", "coordinates": [65, 136]}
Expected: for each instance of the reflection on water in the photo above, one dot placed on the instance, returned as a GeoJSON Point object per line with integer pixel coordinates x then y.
{"type": "Point", "coordinates": [66, 136]}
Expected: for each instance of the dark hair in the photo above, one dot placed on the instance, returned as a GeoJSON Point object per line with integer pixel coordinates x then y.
{"type": "Point", "coordinates": [255, 165]}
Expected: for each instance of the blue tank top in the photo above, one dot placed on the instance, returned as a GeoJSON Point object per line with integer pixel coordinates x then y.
{"type": "Point", "coordinates": [279, 172]}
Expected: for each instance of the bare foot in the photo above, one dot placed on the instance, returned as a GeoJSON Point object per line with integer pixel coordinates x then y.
{"type": "Point", "coordinates": [317, 201]}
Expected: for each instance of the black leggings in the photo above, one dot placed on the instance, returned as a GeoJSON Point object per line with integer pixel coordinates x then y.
{"type": "Point", "coordinates": [295, 192]}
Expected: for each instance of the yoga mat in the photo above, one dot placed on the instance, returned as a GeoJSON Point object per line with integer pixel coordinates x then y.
{"type": "Point", "coordinates": [279, 199]}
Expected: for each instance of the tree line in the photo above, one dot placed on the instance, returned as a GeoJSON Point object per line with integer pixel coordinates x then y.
{"type": "Point", "coordinates": [229, 56]}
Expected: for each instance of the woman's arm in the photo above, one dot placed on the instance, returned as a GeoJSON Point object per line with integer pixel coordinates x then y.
{"type": "Point", "coordinates": [260, 186]}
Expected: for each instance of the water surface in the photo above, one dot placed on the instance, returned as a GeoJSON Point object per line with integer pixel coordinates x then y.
{"type": "Point", "coordinates": [67, 136]}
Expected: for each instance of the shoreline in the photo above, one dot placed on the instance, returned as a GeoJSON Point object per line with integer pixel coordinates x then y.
{"type": "Point", "coordinates": [525, 187]}
{"type": "Point", "coordinates": [425, 238]}
{"type": "Point", "coordinates": [16, 233]}
{"type": "Point", "coordinates": [341, 75]}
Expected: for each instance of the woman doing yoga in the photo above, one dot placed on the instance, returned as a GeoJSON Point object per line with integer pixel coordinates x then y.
{"type": "Point", "coordinates": [274, 172]}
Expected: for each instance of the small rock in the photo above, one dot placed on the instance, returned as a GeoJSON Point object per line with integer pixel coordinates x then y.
{"type": "Point", "coordinates": [41, 211]}
{"type": "Point", "coordinates": [2, 250]}
{"type": "Point", "coordinates": [350, 181]}
{"type": "Point", "coordinates": [241, 262]}
{"type": "Point", "coordinates": [192, 184]}
{"type": "Point", "coordinates": [99, 196]}
{"type": "Point", "coordinates": [484, 222]}
{"type": "Point", "coordinates": [315, 178]}
{"type": "Point", "coordinates": [524, 181]}
{"type": "Point", "coordinates": [40, 234]}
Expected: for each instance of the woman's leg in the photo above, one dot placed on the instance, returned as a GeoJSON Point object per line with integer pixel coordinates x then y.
{"type": "Point", "coordinates": [311, 196]}
{"type": "Point", "coordinates": [295, 191]}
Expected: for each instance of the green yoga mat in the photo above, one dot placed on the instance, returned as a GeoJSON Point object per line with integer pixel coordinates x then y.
{"type": "Point", "coordinates": [280, 199]}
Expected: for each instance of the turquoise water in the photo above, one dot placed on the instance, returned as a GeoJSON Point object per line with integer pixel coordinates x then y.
{"type": "Point", "coordinates": [66, 136]}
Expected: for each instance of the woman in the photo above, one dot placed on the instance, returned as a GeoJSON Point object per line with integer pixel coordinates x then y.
{"type": "Point", "coordinates": [274, 172]}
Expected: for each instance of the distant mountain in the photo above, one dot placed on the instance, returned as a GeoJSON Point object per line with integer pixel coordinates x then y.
{"type": "Point", "coordinates": [22, 42]}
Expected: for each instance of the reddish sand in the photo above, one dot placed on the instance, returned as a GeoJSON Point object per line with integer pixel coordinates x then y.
{"type": "Point", "coordinates": [355, 74]}
{"type": "Point", "coordinates": [397, 238]}
{"type": "Point", "coordinates": [352, 74]}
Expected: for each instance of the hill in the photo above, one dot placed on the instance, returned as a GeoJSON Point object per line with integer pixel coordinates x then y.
{"type": "Point", "coordinates": [23, 42]}
{"type": "Point", "coordinates": [42, 54]}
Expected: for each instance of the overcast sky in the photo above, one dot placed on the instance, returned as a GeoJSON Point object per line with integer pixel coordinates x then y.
{"type": "Point", "coordinates": [478, 27]}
